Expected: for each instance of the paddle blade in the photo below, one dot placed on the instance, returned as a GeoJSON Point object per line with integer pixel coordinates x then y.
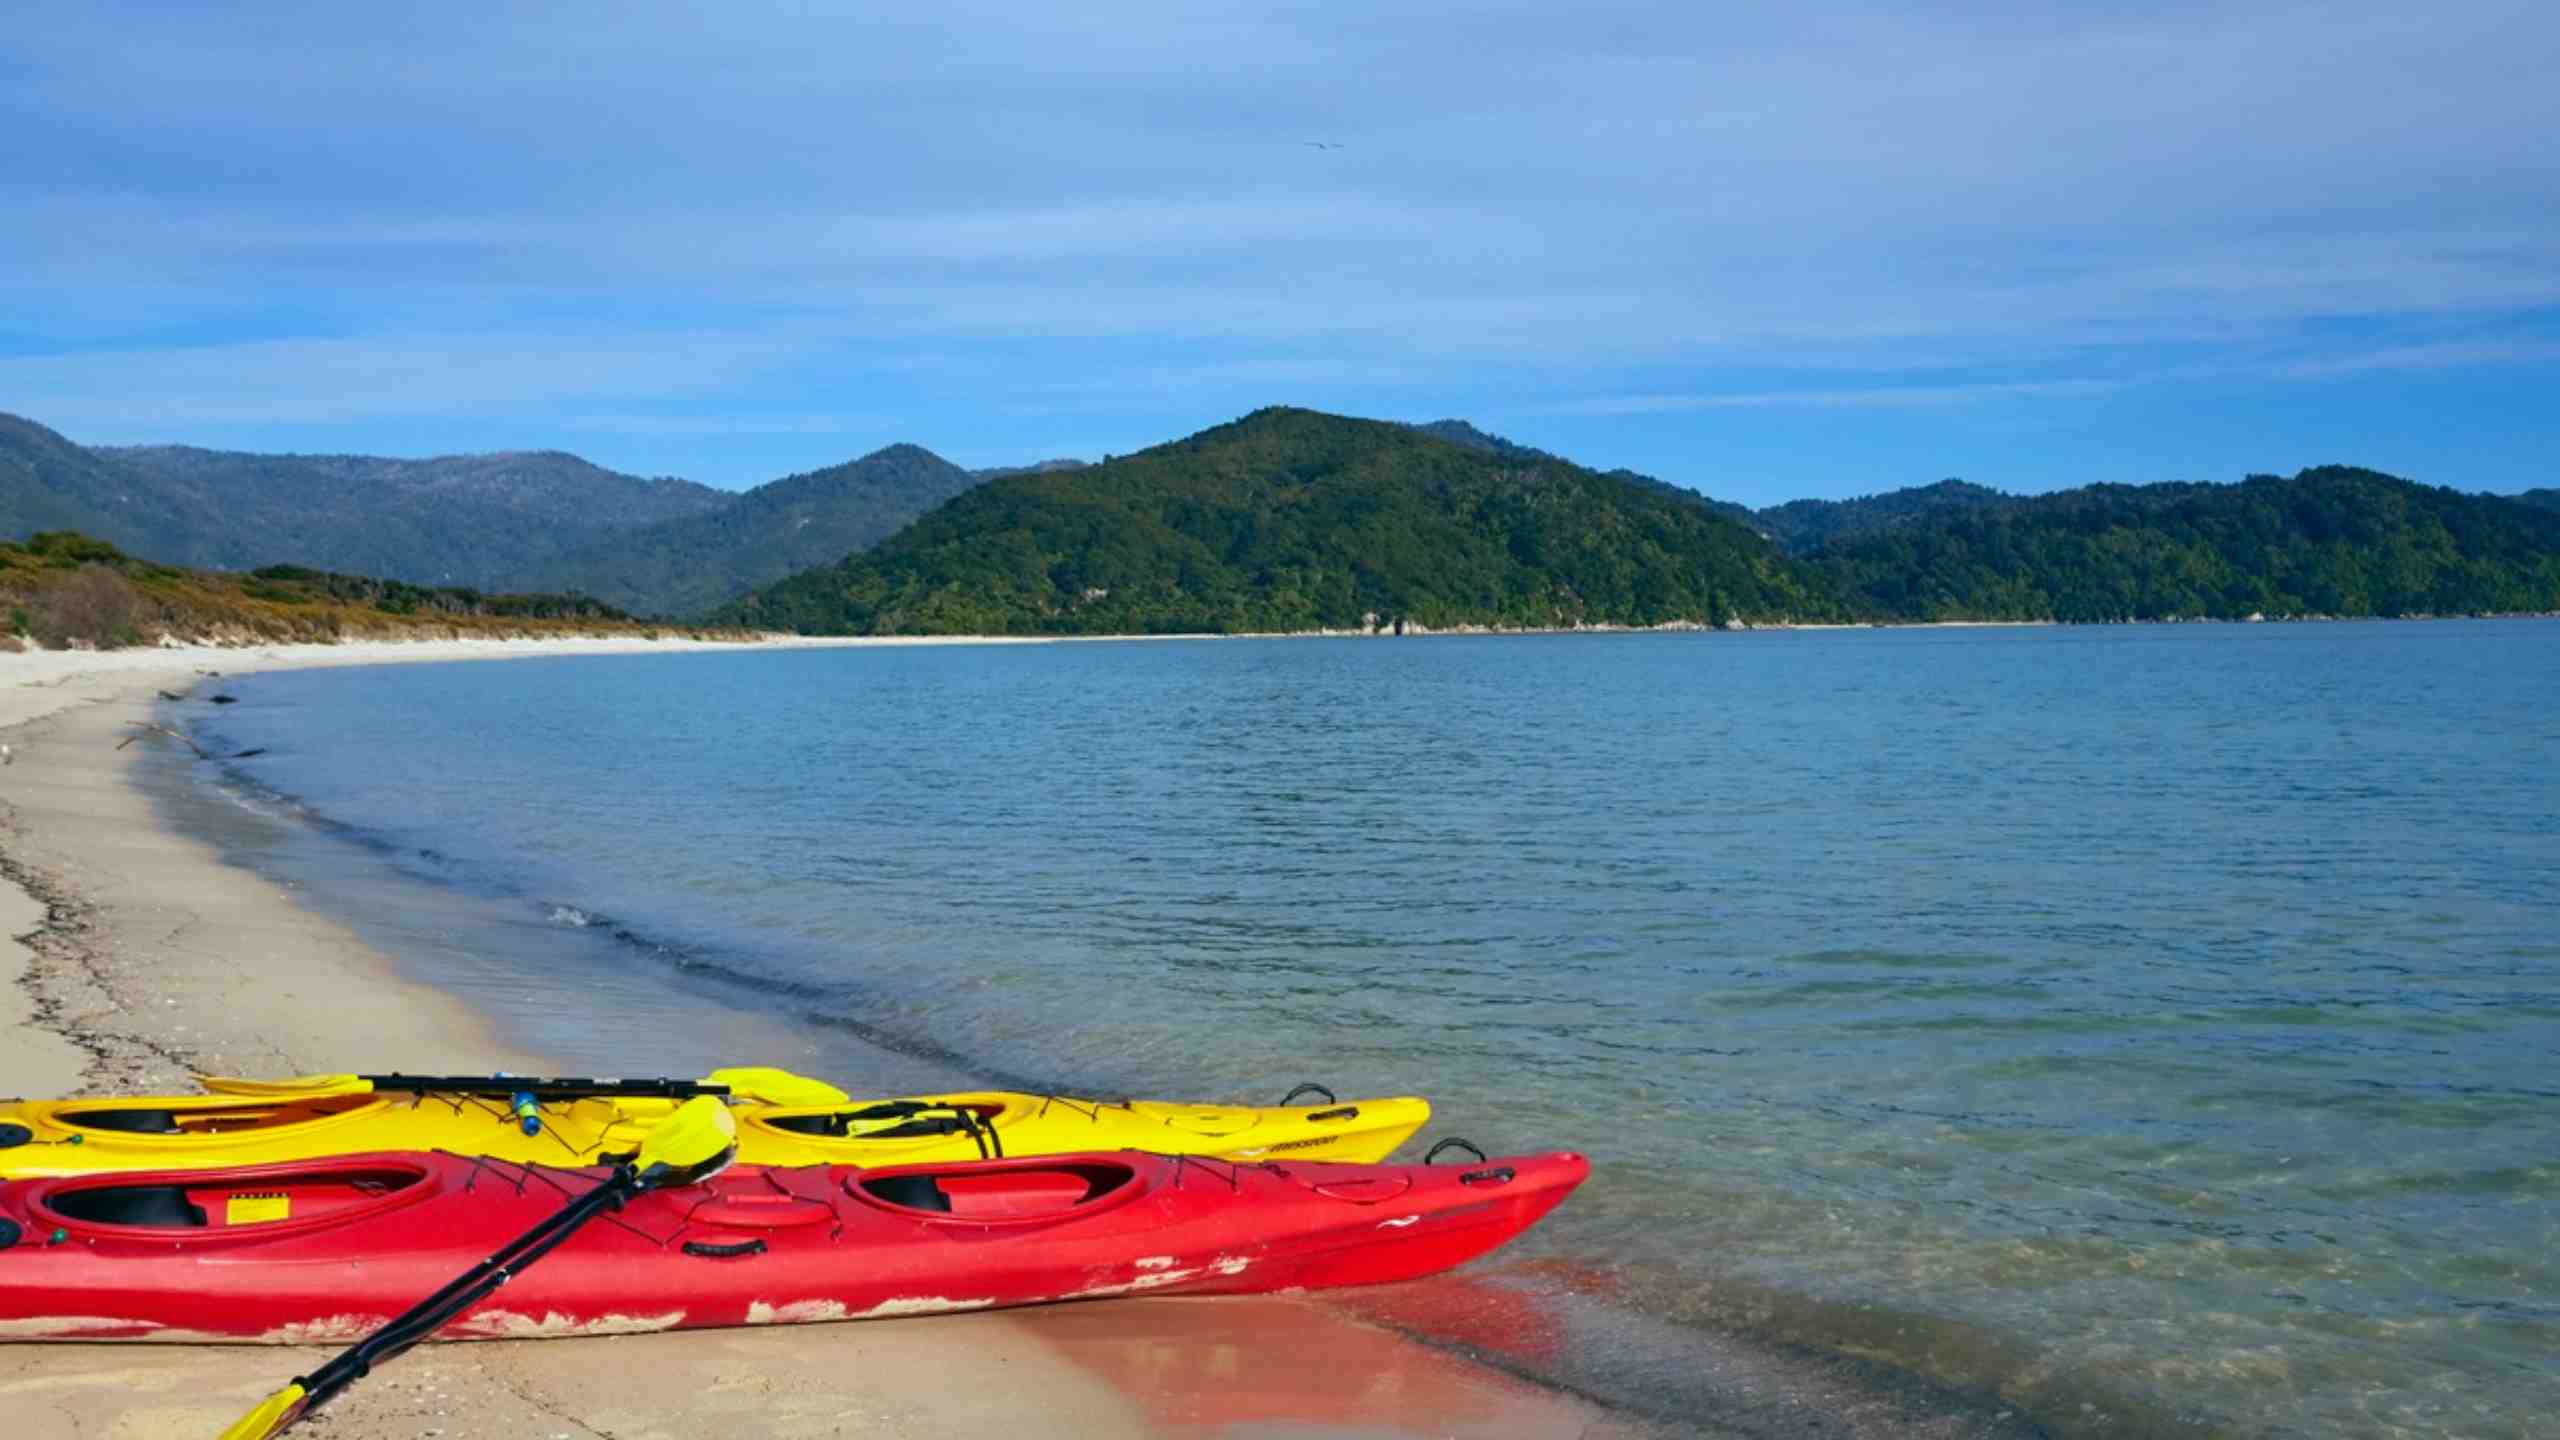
{"type": "Point", "coordinates": [770, 1086]}
{"type": "Point", "coordinates": [695, 1143]}
{"type": "Point", "coordinates": [290, 1087]}
{"type": "Point", "coordinates": [272, 1416]}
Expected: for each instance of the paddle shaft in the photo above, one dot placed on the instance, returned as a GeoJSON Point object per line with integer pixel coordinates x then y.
{"type": "Point", "coordinates": [557, 1087]}
{"type": "Point", "coordinates": [466, 1290]}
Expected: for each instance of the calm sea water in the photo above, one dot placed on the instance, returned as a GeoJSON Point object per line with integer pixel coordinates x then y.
{"type": "Point", "coordinates": [2155, 1028]}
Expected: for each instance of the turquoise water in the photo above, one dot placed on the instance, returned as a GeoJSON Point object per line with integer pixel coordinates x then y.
{"type": "Point", "coordinates": [2155, 1028]}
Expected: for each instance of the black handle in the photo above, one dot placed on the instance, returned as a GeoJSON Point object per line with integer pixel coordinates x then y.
{"type": "Point", "coordinates": [1498, 1175]}
{"type": "Point", "coordinates": [710, 1251]}
{"type": "Point", "coordinates": [1432, 1156]}
{"type": "Point", "coordinates": [1347, 1112]}
{"type": "Point", "coordinates": [1309, 1087]}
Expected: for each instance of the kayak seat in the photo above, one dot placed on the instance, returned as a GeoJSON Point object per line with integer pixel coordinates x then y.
{"type": "Point", "coordinates": [160, 1206]}
{"type": "Point", "coordinates": [1015, 1192]}
{"type": "Point", "coordinates": [916, 1192]}
{"type": "Point", "coordinates": [131, 1122]}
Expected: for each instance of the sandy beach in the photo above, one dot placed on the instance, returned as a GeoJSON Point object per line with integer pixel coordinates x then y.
{"type": "Point", "coordinates": [137, 956]}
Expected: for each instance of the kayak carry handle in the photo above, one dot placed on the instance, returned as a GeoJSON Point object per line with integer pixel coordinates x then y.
{"type": "Point", "coordinates": [1498, 1175]}
{"type": "Point", "coordinates": [1432, 1156]}
{"type": "Point", "coordinates": [1310, 1087]}
{"type": "Point", "coordinates": [710, 1251]}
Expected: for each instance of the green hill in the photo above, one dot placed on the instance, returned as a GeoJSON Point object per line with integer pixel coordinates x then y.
{"type": "Point", "coordinates": [1461, 433]}
{"type": "Point", "coordinates": [690, 565]}
{"type": "Point", "coordinates": [1804, 526]}
{"type": "Point", "coordinates": [2330, 541]}
{"type": "Point", "coordinates": [2540, 499]}
{"type": "Point", "coordinates": [1293, 520]}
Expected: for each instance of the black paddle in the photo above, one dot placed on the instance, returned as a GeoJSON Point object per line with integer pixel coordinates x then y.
{"type": "Point", "coordinates": [693, 1144]}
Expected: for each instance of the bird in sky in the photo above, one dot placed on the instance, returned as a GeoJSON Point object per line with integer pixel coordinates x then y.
{"type": "Point", "coordinates": [1319, 145]}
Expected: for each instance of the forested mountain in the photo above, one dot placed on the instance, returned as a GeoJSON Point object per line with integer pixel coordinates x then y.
{"type": "Point", "coordinates": [49, 483]}
{"type": "Point", "coordinates": [1800, 526]}
{"type": "Point", "coordinates": [1293, 520]}
{"type": "Point", "coordinates": [1803, 526]}
{"type": "Point", "coordinates": [687, 566]}
{"type": "Point", "coordinates": [2329, 541]}
{"type": "Point", "coordinates": [1459, 432]}
{"type": "Point", "coordinates": [1044, 467]}
{"type": "Point", "coordinates": [1290, 520]}
{"type": "Point", "coordinates": [478, 520]}
{"type": "Point", "coordinates": [537, 520]}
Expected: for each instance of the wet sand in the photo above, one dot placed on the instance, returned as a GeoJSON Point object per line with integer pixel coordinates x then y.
{"type": "Point", "coordinates": [143, 958]}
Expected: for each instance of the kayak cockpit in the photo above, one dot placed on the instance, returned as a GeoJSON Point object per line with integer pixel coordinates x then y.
{"type": "Point", "coordinates": [220, 1201]}
{"type": "Point", "coordinates": [1020, 1190]}
{"type": "Point", "coordinates": [221, 1118]}
{"type": "Point", "coordinates": [891, 1120]}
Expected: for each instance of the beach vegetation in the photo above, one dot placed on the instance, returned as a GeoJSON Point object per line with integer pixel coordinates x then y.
{"type": "Point", "coordinates": [66, 589]}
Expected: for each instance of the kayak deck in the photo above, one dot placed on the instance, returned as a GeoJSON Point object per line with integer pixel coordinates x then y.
{"type": "Point", "coordinates": [61, 1137]}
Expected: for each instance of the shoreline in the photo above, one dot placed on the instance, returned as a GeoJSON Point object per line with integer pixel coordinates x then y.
{"type": "Point", "coordinates": [168, 660]}
{"type": "Point", "coordinates": [131, 974]}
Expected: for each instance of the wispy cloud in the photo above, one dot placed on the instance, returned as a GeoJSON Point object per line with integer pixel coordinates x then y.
{"type": "Point", "coordinates": [924, 219]}
{"type": "Point", "coordinates": [1879, 397]}
{"type": "Point", "coordinates": [2440, 355]}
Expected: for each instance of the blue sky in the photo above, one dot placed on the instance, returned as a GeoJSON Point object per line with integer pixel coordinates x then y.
{"type": "Point", "coordinates": [1765, 251]}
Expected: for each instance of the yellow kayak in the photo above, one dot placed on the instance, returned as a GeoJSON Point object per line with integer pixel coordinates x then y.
{"type": "Point", "coordinates": [782, 1119]}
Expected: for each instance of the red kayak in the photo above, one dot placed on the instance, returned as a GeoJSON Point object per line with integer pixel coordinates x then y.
{"type": "Point", "coordinates": [325, 1250]}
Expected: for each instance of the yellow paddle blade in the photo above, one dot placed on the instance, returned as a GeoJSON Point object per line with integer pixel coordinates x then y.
{"type": "Point", "coordinates": [697, 1140]}
{"type": "Point", "coordinates": [270, 1418]}
{"type": "Point", "coordinates": [292, 1087]}
{"type": "Point", "coordinates": [769, 1086]}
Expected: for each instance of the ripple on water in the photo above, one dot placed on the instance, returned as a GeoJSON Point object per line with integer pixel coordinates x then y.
{"type": "Point", "coordinates": [2142, 1029]}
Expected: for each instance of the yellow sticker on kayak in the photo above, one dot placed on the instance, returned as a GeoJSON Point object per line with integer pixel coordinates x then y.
{"type": "Point", "coordinates": [256, 1209]}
